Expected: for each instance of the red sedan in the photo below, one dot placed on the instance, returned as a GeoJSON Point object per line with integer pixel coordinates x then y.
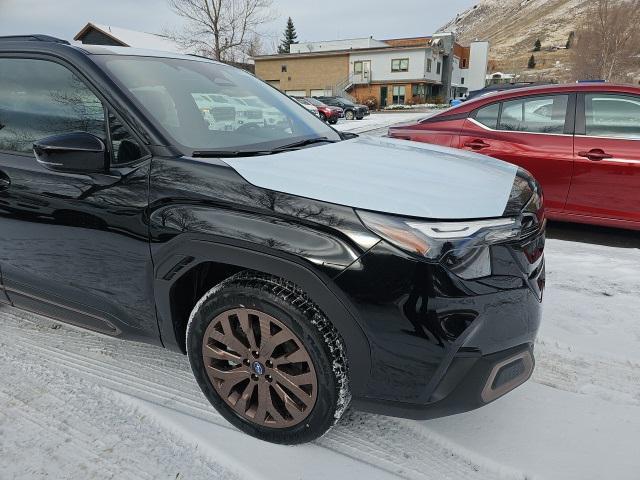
{"type": "Point", "coordinates": [581, 141]}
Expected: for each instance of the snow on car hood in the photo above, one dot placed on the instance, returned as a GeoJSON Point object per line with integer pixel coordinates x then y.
{"type": "Point", "coordinates": [388, 175]}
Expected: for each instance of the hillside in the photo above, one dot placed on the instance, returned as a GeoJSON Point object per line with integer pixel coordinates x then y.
{"type": "Point", "coordinates": [513, 26]}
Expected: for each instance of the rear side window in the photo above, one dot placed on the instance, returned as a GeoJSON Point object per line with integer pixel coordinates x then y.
{"type": "Point", "coordinates": [535, 114]}
{"type": "Point", "coordinates": [616, 116]}
{"type": "Point", "coordinates": [39, 98]}
{"type": "Point", "coordinates": [488, 116]}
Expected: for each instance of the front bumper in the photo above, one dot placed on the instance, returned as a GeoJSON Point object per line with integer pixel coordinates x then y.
{"type": "Point", "coordinates": [437, 340]}
{"type": "Point", "coordinates": [469, 383]}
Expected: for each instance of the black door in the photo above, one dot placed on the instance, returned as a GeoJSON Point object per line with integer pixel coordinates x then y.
{"type": "Point", "coordinates": [73, 247]}
{"type": "Point", "coordinates": [384, 91]}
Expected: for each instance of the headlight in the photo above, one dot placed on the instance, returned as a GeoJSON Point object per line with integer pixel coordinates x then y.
{"type": "Point", "coordinates": [462, 246]}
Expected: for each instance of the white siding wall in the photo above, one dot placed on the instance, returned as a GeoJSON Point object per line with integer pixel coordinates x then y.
{"type": "Point", "coordinates": [478, 59]}
{"type": "Point", "coordinates": [457, 74]}
{"type": "Point", "coordinates": [381, 64]}
{"type": "Point", "coordinates": [435, 58]}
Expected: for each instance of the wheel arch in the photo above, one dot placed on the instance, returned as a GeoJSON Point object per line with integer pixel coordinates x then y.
{"type": "Point", "coordinates": [185, 272]}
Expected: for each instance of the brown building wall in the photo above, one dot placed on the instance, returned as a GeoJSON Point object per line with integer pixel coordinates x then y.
{"type": "Point", "coordinates": [463, 53]}
{"type": "Point", "coordinates": [317, 72]}
{"type": "Point", "coordinates": [363, 92]}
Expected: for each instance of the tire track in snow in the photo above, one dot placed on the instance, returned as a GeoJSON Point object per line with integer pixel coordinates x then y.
{"type": "Point", "coordinates": [58, 425]}
{"type": "Point", "coordinates": [165, 379]}
{"type": "Point", "coordinates": [560, 366]}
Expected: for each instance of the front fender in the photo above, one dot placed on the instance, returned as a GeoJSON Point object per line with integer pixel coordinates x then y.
{"type": "Point", "coordinates": [171, 266]}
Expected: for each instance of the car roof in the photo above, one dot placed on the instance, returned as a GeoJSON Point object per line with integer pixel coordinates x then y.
{"type": "Point", "coordinates": [499, 95]}
{"type": "Point", "coordinates": [44, 43]}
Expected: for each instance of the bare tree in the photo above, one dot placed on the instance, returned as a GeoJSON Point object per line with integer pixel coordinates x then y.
{"type": "Point", "coordinates": [608, 41]}
{"type": "Point", "coordinates": [221, 29]}
{"type": "Point", "coordinates": [254, 46]}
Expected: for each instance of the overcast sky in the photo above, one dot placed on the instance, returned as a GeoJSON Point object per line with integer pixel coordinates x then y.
{"type": "Point", "coordinates": [314, 20]}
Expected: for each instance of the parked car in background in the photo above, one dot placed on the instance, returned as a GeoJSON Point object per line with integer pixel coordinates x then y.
{"type": "Point", "coordinates": [581, 141]}
{"type": "Point", "coordinates": [302, 270]}
{"type": "Point", "coordinates": [327, 113]}
{"type": "Point", "coordinates": [227, 113]}
{"type": "Point", "coordinates": [311, 108]}
{"type": "Point", "coordinates": [497, 88]}
{"type": "Point", "coordinates": [351, 110]}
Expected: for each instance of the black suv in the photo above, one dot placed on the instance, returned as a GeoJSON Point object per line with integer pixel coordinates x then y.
{"type": "Point", "coordinates": [301, 270]}
{"type": "Point", "coordinates": [351, 110]}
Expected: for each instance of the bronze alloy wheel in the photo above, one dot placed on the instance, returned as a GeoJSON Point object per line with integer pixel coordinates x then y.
{"type": "Point", "coordinates": [260, 368]}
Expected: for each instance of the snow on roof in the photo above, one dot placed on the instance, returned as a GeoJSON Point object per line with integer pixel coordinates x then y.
{"type": "Point", "coordinates": [133, 38]}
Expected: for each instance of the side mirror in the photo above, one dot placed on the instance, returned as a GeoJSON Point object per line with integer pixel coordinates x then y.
{"type": "Point", "coordinates": [77, 152]}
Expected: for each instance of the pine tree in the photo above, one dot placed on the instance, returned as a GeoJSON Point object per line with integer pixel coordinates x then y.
{"type": "Point", "coordinates": [532, 62]}
{"type": "Point", "coordinates": [537, 46]}
{"type": "Point", "coordinates": [570, 40]}
{"type": "Point", "coordinates": [290, 37]}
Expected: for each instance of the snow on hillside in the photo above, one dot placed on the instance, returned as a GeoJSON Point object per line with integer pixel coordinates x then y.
{"type": "Point", "coordinates": [511, 24]}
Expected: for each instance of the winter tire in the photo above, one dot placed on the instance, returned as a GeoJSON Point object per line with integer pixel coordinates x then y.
{"type": "Point", "coordinates": [268, 359]}
{"type": "Point", "coordinates": [349, 115]}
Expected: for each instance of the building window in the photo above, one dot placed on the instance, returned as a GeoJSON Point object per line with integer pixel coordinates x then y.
{"type": "Point", "coordinates": [400, 65]}
{"type": "Point", "coordinates": [357, 68]}
{"type": "Point", "coordinates": [429, 64]}
{"type": "Point", "coordinates": [284, 68]}
{"type": "Point", "coordinates": [463, 63]}
{"type": "Point", "coordinates": [438, 68]}
{"type": "Point", "coordinates": [418, 90]}
{"type": "Point", "coordinates": [399, 93]}
{"type": "Point", "coordinates": [462, 81]}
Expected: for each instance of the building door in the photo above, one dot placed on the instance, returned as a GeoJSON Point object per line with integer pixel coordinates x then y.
{"type": "Point", "coordinates": [362, 71]}
{"type": "Point", "coordinates": [384, 91]}
{"type": "Point", "coordinates": [366, 71]}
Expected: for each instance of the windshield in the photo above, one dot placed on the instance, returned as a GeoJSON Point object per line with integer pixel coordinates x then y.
{"type": "Point", "coordinates": [205, 106]}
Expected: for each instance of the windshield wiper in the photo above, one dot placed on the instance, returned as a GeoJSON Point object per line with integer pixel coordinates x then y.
{"type": "Point", "coordinates": [255, 153]}
{"type": "Point", "coordinates": [303, 143]}
{"type": "Point", "coordinates": [229, 153]}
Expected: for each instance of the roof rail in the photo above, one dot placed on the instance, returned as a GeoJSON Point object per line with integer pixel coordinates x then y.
{"type": "Point", "coordinates": [32, 38]}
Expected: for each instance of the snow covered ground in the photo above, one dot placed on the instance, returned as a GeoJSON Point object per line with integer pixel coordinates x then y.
{"type": "Point", "coordinates": [78, 405]}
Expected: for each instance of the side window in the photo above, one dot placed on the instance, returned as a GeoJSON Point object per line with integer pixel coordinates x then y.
{"type": "Point", "coordinates": [488, 116]}
{"type": "Point", "coordinates": [124, 145]}
{"type": "Point", "coordinates": [616, 116]}
{"type": "Point", "coordinates": [39, 98]}
{"type": "Point", "coordinates": [535, 114]}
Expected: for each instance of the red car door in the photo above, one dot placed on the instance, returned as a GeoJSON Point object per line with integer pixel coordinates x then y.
{"type": "Point", "coordinates": [606, 179]}
{"type": "Point", "coordinates": [534, 132]}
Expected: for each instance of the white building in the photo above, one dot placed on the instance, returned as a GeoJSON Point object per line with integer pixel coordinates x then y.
{"type": "Point", "coordinates": [392, 71]}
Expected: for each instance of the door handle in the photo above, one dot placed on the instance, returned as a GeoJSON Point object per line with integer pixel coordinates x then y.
{"type": "Point", "coordinates": [476, 144]}
{"type": "Point", "coordinates": [595, 155]}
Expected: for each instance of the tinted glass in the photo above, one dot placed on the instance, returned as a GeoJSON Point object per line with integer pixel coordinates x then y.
{"type": "Point", "coordinates": [124, 145]}
{"type": "Point", "coordinates": [488, 116]}
{"type": "Point", "coordinates": [613, 115]}
{"type": "Point", "coordinates": [535, 114]}
{"type": "Point", "coordinates": [206, 106]}
{"type": "Point", "coordinates": [38, 99]}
